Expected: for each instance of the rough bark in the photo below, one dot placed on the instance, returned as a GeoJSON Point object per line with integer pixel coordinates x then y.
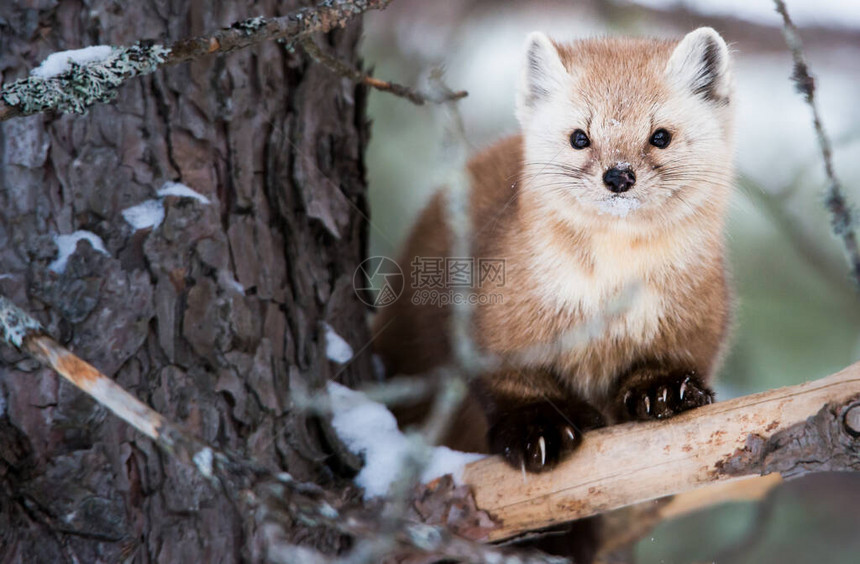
{"type": "Point", "coordinates": [276, 145]}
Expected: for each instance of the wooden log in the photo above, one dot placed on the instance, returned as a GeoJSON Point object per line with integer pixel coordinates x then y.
{"type": "Point", "coordinates": [617, 466]}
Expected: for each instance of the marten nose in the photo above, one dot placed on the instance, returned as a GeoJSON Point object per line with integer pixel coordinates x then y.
{"type": "Point", "coordinates": [619, 179]}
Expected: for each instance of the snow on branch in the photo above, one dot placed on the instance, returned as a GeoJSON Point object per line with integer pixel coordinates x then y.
{"type": "Point", "coordinates": [73, 81]}
{"type": "Point", "coordinates": [792, 431]}
{"type": "Point", "coordinates": [841, 212]}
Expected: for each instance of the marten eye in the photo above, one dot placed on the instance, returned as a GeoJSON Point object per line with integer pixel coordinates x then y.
{"type": "Point", "coordinates": [579, 140]}
{"type": "Point", "coordinates": [661, 138]}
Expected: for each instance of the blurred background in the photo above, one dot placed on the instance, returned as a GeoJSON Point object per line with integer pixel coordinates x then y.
{"type": "Point", "coordinates": [797, 316]}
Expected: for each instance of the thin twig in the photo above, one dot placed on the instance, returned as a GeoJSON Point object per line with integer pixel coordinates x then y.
{"type": "Point", "coordinates": [84, 85]}
{"type": "Point", "coordinates": [841, 215]}
{"type": "Point", "coordinates": [397, 391]}
{"type": "Point", "coordinates": [345, 70]}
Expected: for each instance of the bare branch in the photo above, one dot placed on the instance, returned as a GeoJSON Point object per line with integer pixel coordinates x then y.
{"type": "Point", "coordinates": [84, 85]}
{"type": "Point", "coordinates": [347, 71]}
{"type": "Point", "coordinates": [632, 463]}
{"type": "Point", "coordinates": [841, 214]}
{"type": "Point", "coordinates": [25, 333]}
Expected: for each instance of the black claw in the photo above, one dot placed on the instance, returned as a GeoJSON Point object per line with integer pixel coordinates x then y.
{"type": "Point", "coordinates": [538, 436]}
{"type": "Point", "coordinates": [657, 395]}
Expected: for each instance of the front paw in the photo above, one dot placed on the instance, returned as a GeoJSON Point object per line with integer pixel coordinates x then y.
{"type": "Point", "coordinates": [654, 394]}
{"type": "Point", "coordinates": [539, 435]}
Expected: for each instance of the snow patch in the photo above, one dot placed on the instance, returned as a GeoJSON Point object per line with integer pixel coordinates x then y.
{"type": "Point", "coordinates": [614, 122]}
{"type": "Point", "coordinates": [58, 63]}
{"type": "Point", "coordinates": [66, 245]}
{"type": "Point", "coordinates": [368, 429]}
{"type": "Point", "coordinates": [182, 191]}
{"type": "Point", "coordinates": [151, 212]}
{"type": "Point", "coordinates": [336, 347]}
{"type": "Point", "coordinates": [203, 460]}
{"type": "Point", "coordinates": [143, 216]}
{"type": "Point", "coordinates": [619, 206]}
{"type": "Point", "coordinates": [227, 280]}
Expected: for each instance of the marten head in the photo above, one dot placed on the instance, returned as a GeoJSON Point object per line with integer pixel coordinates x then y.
{"type": "Point", "coordinates": [627, 132]}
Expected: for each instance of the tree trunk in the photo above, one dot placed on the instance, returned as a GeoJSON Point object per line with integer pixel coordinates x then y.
{"type": "Point", "coordinates": [207, 317]}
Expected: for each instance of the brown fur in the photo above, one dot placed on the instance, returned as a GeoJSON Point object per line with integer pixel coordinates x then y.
{"type": "Point", "coordinates": [676, 258]}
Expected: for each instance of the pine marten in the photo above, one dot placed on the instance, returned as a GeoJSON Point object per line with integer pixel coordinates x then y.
{"type": "Point", "coordinates": [619, 178]}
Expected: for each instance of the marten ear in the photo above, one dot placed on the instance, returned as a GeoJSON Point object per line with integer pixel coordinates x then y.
{"type": "Point", "coordinates": [700, 64]}
{"type": "Point", "coordinates": [542, 73]}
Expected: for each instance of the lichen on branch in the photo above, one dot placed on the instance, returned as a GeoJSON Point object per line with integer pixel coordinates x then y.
{"type": "Point", "coordinates": [83, 85]}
